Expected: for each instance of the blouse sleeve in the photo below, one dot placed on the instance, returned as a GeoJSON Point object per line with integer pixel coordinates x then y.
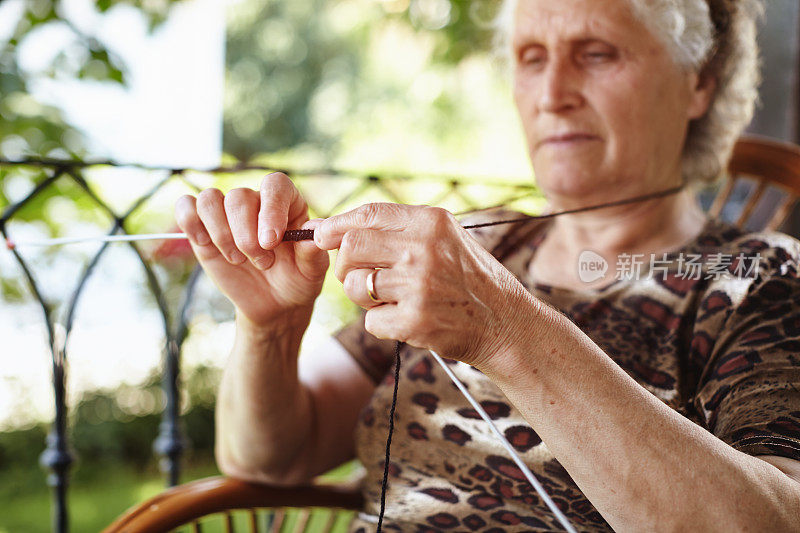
{"type": "Point", "coordinates": [749, 389]}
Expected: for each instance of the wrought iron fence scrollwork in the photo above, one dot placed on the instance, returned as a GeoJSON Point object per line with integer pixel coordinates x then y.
{"type": "Point", "coordinates": [170, 442]}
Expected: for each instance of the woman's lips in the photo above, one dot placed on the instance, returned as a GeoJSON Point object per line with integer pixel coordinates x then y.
{"type": "Point", "coordinates": [567, 140]}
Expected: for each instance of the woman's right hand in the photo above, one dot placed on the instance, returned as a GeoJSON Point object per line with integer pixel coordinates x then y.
{"type": "Point", "coordinates": [237, 239]}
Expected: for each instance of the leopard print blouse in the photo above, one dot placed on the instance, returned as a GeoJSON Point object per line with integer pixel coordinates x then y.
{"type": "Point", "coordinates": [722, 351]}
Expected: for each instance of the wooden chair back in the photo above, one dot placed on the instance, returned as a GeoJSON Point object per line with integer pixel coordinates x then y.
{"type": "Point", "coordinates": [229, 505]}
{"type": "Point", "coordinates": [770, 165]}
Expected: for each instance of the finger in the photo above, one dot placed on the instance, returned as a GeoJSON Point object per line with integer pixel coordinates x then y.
{"type": "Point", "coordinates": [390, 217]}
{"type": "Point", "coordinates": [311, 261]}
{"type": "Point", "coordinates": [383, 322]}
{"type": "Point", "coordinates": [211, 210]}
{"type": "Point", "coordinates": [280, 203]}
{"type": "Point", "coordinates": [385, 282]}
{"type": "Point", "coordinates": [189, 222]}
{"type": "Point", "coordinates": [241, 210]}
{"type": "Point", "coordinates": [367, 248]}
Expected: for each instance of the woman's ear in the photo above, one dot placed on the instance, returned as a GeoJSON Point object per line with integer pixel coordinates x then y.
{"type": "Point", "coordinates": [704, 87]}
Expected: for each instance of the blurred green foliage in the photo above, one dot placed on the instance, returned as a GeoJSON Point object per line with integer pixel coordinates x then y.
{"type": "Point", "coordinates": [98, 494]}
{"type": "Point", "coordinates": [119, 426]}
{"type": "Point", "coordinates": [111, 431]}
{"type": "Point", "coordinates": [283, 58]}
{"type": "Point", "coordinates": [28, 127]}
{"type": "Point", "coordinates": [112, 434]}
{"type": "Point", "coordinates": [299, 72]}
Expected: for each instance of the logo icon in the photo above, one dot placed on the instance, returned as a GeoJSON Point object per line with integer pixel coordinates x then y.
{"type": "Point", "coordinates": [591, 266]}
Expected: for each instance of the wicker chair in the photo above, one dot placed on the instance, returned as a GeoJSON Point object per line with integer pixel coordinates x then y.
{"type": "Point", "coordinates": [213, 503]}
{"type": "Point", "coordinates": [771, 168]}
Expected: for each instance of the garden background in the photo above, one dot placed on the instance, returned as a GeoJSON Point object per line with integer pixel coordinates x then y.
{"type": "Point", "coordinates": [364, 99]}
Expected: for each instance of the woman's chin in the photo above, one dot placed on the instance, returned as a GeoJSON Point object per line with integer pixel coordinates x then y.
{"type": "Point", "coordinates": [570, 183]}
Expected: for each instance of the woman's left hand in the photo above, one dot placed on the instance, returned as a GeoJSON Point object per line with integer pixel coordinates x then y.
{"type": "Point", "coordinates": [439, 289]}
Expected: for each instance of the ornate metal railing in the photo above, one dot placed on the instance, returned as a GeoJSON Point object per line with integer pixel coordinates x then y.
{"type": "Point", "coordinates": [327, 192]}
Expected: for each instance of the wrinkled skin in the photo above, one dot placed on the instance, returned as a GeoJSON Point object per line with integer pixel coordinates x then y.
{"type": "Point", "coordinates": [440, 289]}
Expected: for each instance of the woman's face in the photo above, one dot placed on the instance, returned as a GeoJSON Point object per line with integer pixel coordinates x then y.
{"type": "Point", "coordinates": [604, 107]}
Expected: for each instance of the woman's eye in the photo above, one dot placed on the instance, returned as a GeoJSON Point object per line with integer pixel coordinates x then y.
{"type": "Point", "coordinates": [531, 57]}
{"type": "Point", "coordinates": [598, 56]}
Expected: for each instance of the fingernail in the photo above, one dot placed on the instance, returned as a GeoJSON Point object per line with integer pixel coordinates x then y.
{"type": "Point", "coordinates": [267, 237]}
{"type": "Point", "coordinates": [237, 257]}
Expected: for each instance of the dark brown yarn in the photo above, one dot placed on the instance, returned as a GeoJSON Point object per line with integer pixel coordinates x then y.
{"type": "Point", "coordinates": [385, 481]}
{"type": "Point", "coordinates": [615, 203]}
{"type": "Point", "coordinates": [294, 235]}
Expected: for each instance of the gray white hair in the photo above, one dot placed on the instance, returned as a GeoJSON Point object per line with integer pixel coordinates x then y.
{"type": "Point", "coordinates": [716, 38]}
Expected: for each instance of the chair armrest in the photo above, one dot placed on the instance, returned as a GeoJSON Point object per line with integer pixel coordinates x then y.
{"type": "Point", "coordinates": [190, 501]}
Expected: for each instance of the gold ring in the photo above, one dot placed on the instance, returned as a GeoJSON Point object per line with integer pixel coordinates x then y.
{"type": "Point", "coordinates": [371, 287]}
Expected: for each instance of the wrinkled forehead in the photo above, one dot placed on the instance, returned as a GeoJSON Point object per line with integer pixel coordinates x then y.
{"type": "Point", "coordinates": [547, 20]}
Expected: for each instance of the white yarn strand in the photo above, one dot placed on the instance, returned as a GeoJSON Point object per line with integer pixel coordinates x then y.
{"type": "Point", "coordinates": [103, 238]}
{"type": "Point", "coordinates": [525, 470]}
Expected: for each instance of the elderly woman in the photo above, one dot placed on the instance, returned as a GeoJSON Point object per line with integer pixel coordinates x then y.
{"type": "Point", "coordinates": [649, 403]}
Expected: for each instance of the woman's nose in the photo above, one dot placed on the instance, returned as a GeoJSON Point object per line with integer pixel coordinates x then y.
{"type": "Point", "coordinates": [560, 88]}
